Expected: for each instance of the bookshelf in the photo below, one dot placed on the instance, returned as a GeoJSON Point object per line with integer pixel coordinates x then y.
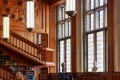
{"type": "Point", "coordinates": [25, 70]}
{"type": "Point", "coordinates": [30, 75]}
{"type": "Point", "coordinates": [4, 58]}
{"type": "Point", "coordinates": [43, 73]}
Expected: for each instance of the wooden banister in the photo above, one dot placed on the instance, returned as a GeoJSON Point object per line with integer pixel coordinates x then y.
{"type": "Point", "coordinates": [24, 40]}
{"type": "Point", "coordinates": [28, 49]}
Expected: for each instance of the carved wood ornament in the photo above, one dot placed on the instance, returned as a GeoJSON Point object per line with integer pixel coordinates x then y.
{"type": "Point", "coordinates": [17, 9]}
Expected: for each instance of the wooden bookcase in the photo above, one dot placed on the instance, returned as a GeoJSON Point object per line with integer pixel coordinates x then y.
{"type": "Point", "coordinates": [43, 73]}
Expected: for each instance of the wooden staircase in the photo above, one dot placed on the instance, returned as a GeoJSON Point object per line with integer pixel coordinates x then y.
{"type": "Point", "coordinates": [25, 48]}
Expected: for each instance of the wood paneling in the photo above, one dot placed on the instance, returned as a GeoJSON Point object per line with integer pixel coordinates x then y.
{"type": "Point", "coordinates": [52, 32]}
{"type": "Point", "coordinates": [78, 76]}
{"type": "Point", "coordinates": [85, 76]}
{"type": "Point", "coordinates": [73, 44]}
{"type": "Point", "coordinates": [48, 55]}
{"type": "Point", "coordinates": [111, 37]}
{"type": "Point", "coordinates": [31, 36]}
{"type": "Point", "coordinates": [116, 76]}
{"type": "Point", "coordinates": [17, 10]}
{"type": "Point", "coordinates": [55, 2]}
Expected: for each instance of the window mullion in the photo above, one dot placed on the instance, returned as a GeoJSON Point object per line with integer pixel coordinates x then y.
{"type": "Point", "coordinates": [95, 9]}
{"type": "Point", "coordinates": [86, 36]}
{"type": "Point", "coordinates": [104, 18]}
{"type": "Point", "coordinates": [89, 22]}
{"type": "Point", "coordinates": [95, 33]}
{"type": "Point", "coordinates": [105, 49]}
{"type": "Point", "coordinates": [95, 46]}
{"type": "Point", "coordinates": [65, 52]}
{"type": "Point", "coordinates": [59, 55]}
{"type": "Point", "coordinates": [94, 20]}
{"type": "Point", "coordinates": [64, 42]}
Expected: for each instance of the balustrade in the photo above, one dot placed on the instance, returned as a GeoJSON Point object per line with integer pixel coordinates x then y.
{"type": "Point", "coordinates": [25, 45]}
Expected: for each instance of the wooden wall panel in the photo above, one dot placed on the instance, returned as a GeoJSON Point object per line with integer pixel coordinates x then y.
{"type": "Point", "coordinates": [116, 76]}
{"type": "Point", "coordinates": [32, 36]}
{"type": "Point", "coordinates": [85, 76]}
{"type": "Point", "coordinates": [111, 35]}
{"type": "Point", "coordinates": [52, 32]}
{"type": "Point", "coordinates": [80, 76]}
{"type": "Point", "coordinates": [28, 35]}
{"type": "Point", "coordinates": [17, 10]}
{"type": "Point", "coordinates": [55, 2]}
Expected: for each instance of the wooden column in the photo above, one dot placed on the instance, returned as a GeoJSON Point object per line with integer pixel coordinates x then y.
{"type": "Point", "coordinates": [73, 43]}
{"type": "Point", "coordinates": [111, 25]}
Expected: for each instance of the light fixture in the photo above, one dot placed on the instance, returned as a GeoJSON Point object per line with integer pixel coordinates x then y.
{"type": "Point", "coordinates": [30, 15]}
{"type": "Point", "coordinates": [70, 7]}
{"type": "Point", "coordinates": [6, 25]}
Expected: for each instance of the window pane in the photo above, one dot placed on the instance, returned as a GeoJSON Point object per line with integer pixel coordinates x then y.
{"type": "Point", "coordinates": [67, 28]}
{"type": "Point", "coordinates": [38, 38]}
{"type": "Point", "coordinates": [69, 23]}
{"type": "Point", "coordinates": [68, 55]}
{"type": "Point", "coordinates": [59, 14]}
{"type": "Point", "coordinates": [101, 2]}
{"type": "Point", "coordinates": [105, 17]}
{"type": "Point", "coordinates": [96, 3]}
{"type": "Point", "coordinates": [62, 13]}
{"type": "Point", "coordinates": [91, 4]}
{"type": "Point", "coordinates": [101, 18]}
{"type": "Point", "coordinates": [87, 23]}
{"type": "Point", "coordinates": [100, 55]}
{"type": "Point", "coordinates": [62, 30]}
{"type": "Point", "coordinates": [61, 54]}
{"type": "Point", "coordinates": [90, 51]}
{"type": "Point", "coordinates": [59, 31]}
{"type": "Point", "coordinates": [97, 20]}
{"type": "Point", "coordinates": [87, 7]}
{"type": "Point", "coordinates": [92, 21]}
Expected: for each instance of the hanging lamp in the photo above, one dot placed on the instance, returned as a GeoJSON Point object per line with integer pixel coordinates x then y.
{"type": "Point", "coordinates": [70, 7]}
{"type": "Point", "coordinates": [30, 15]}
{"type": "Point", "coordinates": [6, 26]}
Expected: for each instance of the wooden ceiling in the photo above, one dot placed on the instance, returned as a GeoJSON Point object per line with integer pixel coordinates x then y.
{"type": "Point", "coordinates": [51, 2]}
